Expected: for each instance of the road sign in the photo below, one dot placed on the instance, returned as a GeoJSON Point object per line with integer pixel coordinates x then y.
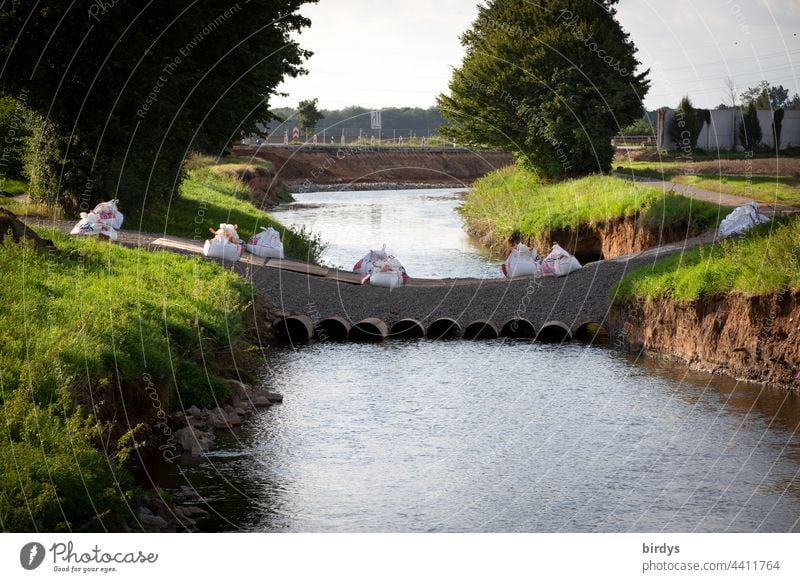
{"type": "Point", "coordinates": [375, 119]}
{"type": "Point", "coordinates": [296, 133]}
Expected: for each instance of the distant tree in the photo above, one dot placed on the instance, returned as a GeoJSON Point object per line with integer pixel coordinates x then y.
{"type": "Point", "coordinates": [639, 127]}
{"type": "Point", "coordinates": [730, 93]}
{"type": "Point", "coordinates": [749, 127]}
{"type": "Point", "coordinates": [722, 107]}
{"type": "Point", "coordinates": [309, 115]}
{"type": "Point", "coordinates": [777, 127]}
{"type": "Point", "coordinates": [794, 103]}
{"type": "Point", "coordinates": [766, 96]}
{"type": "Point", "coordinates": [550, 81]}
{"type": "Point", "coordinates": [687, 123]}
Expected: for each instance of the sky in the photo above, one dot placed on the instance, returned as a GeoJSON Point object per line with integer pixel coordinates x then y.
{"type": "Point", "coordinates": [401, 53]}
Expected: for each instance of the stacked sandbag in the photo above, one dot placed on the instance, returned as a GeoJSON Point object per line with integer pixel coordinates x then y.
{"type": "Point", "coordinates": [90, 224]}
{"type": "Point", "coordinates": [741, 220]}
{"type": "Point", "coordinates": [225, 245]}
{"type": "Point", "coordinates": [267, 244]}
{"type": "Point", "coordinates": [381, 269]}
{"type": "Point", "coordinates": [522, 261]}
{"type": "Point", "coordinates": [558, 263]}
{"type": "Point", "coordinates": [104, 221]}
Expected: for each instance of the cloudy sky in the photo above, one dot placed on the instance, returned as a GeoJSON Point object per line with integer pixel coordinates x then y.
{"type": "Point", "coordinates": [400, 53]}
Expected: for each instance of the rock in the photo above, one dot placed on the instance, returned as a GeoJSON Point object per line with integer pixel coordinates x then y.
{"type": "Point", "coordinates": [233, 419]}
{"type": "Point", "coordinates": [261, 401]}
{"type": "Point", "coordinates": [228, 408]}
{"type": "Point", "coordinates": [218, 419]}
{"type": "Point", "coordinates": [194, 411]}
{"type": "Point", "coordinates": [274, 397]}
{"type": "Point", "coordinates": [179, 420]}
{"type": "Point", "coordinates": [240, 410]}
{"type": "Point", "coordinates": [239, 391]}
{"type": "Point", "coordinates": [194, 440]}
{"type": "Point", "coordinates": [193, 511]}
{"type": "Point", "coordinates": [154, 521]}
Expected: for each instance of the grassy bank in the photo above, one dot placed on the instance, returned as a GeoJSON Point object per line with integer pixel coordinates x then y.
{"type": "Point", "coordinates": [765, 260]}
{"type": "Point", "coordinates": [210, 195]}
{"type": "Point", "coordinates": [97, 333]}
{"type": "Point", "coordinates": [784, 190]}
{"type": "Point", "coordinates": [512, 202]}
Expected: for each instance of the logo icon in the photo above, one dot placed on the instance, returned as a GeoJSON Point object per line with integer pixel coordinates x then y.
{"type": "Point", "coordinates": [31, 555]}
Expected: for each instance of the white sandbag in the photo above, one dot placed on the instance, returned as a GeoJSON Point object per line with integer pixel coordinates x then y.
{"type": "Point", "coordinates": [390, 279]}
{"type": "Point", "coordinates": [267, 243]}
{"type": "Point", "coordinates": [228, 231]}
{"type": "Point", "coordinates": [90, 225]}
{"type": "Point", "coordinates": [558, 263]}
{"type": "Point", "coordinates": [109, 214]}
{"type": "Point", "coordinates": [222, 248]}
{"type": "Point", "coordinates": [364, 266]}
{"type": "Point", "coordinates": [521, 262]}
{"type": "Point", "coordinates": [741, 220]}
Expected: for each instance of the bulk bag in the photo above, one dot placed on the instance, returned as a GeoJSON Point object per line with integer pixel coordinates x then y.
{"type": "Point", "coordinates": [387, 272]}
{"type": "Point", "coordinates": [364, 266]}
{"type": "Point", "coordinates": [267, 243]}
{"type": "Point", "coordinates": [109, 214]}
{"type": "Point", "coordinates": [222, 248]}
{"type": "Point", "coordinates": [559, 263]}
{"type": "Point", "coordinates": [227, 231]}
{"type": "Point", "coordinates": [90, 225]}
{"type": "Point", "coordinates": [741, 220]}
{"type": "Point", "coordinates": [522, 261]}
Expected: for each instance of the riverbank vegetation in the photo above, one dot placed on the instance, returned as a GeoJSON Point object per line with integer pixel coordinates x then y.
{"type": "Point", "coordinates": [97, 339]}
{"type": "Point", "coordinates": [512, 203]}
{"type": "Point", "coordinates": [765, 260]}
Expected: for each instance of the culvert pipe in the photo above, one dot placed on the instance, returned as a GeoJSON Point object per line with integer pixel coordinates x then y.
{"type": "Point", "coordinates": [518, 327]}
{"type": "Point", "coordinates": [371, 329]}
{"type": "Point", "coordinates": [554, 332]}
{"type": "Point", "coordinates": [407, 329]}
{"type": "Point", "coordinates": [334, 329]}
{"type": "Point", "coordinates": [480, 329]}
{"type": "Point", "coordinates": [293, 329]}
{"type": "Point", "coordinates": [444, 328]}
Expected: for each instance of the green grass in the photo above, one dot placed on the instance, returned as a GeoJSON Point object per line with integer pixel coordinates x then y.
{"type": "Point", "coordinates": [767, 259]}
{"type": "Point", "coordinates": [784, 190]}
{"type": "Point", "coordinates": [512, 202]}
{"type": "Point", "coordinates": [209, 197]}
{"type": "Point", "coordinates": [13, 187]}
{"type": "Point", "coordinates": [94, 326]}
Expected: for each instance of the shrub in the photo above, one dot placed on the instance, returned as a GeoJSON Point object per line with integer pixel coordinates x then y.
{"type": "Point", "coordinates": [750, 128]}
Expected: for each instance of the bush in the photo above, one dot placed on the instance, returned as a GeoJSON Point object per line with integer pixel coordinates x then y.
{"type": "Point", "coordinates": [750, 128]}
{"type": "Point", "coordinates": [14, 132]}
{"type": "Point", "coordinates": [51, 477]}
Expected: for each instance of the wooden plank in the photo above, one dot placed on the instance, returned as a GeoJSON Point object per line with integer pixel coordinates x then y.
{"type": "Point", "coordinates": [414, 282]}
{"type": "Point", "coordinates": [170, 242]}
{"type": "Point", "coordinates": [344, 277]}
{"type": "Point", "coordinates": [297, 267]}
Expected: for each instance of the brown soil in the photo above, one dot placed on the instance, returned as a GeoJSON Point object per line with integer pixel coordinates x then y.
{"type": "Point", "coordinates": [757, 166]}
{"type": "Point", "coordinates": [264, 187]}
{"type": "Point", "coordinates": [347, 165]}
{"type": "Point", "coordinates": [749, 338]}
{"type": "Point", "coordinates": [9, 223]}
{"type": "Point", "coordinates": [607, 240]}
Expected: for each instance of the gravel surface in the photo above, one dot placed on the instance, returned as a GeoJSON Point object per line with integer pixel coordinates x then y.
{"type": "Point", "coordinates": [575, 299]}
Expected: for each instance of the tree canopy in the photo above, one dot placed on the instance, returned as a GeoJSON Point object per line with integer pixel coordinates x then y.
{"type": "Point", "coordinates": [552, 81]}
{"type": "Point", "coordinates": [125, 89]}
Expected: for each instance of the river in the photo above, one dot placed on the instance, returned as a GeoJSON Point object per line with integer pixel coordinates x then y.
{"type": "Point", "coordinates": [490, 436]}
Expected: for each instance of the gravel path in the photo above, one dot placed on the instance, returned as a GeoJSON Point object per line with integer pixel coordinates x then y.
{"type": "Point", "coordinates": [575, 299]}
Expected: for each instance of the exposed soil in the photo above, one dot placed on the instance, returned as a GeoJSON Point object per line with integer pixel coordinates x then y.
{"type": "Point", "coordinates": [749, 338]}
{"type": "Point", "coordinates": [614, 238]}
{"type": "Point", "coordinates": [351, 164]}
{"type": "Point", "coordinates": [756, 166]}
{"type": "Point", "coordinates": [264, 187]}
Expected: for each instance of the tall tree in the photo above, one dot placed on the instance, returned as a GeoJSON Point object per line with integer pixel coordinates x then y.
{"type": "Point", "coordinates": [750, 127]}
{"type": "Point", "coordinates": [766, 96]}
{"type": "Point", "coordinates": [127, 88]}
{"type": "Point", "coordinates": [309, 115]}
{"type": "Point", "coordinates": [552, 81]}
{"type": "Point", "coordinates": [687, 123]}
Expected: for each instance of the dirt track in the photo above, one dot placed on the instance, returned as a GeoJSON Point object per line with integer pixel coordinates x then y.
{"type": "Point", "coordinates": [346, 165]}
